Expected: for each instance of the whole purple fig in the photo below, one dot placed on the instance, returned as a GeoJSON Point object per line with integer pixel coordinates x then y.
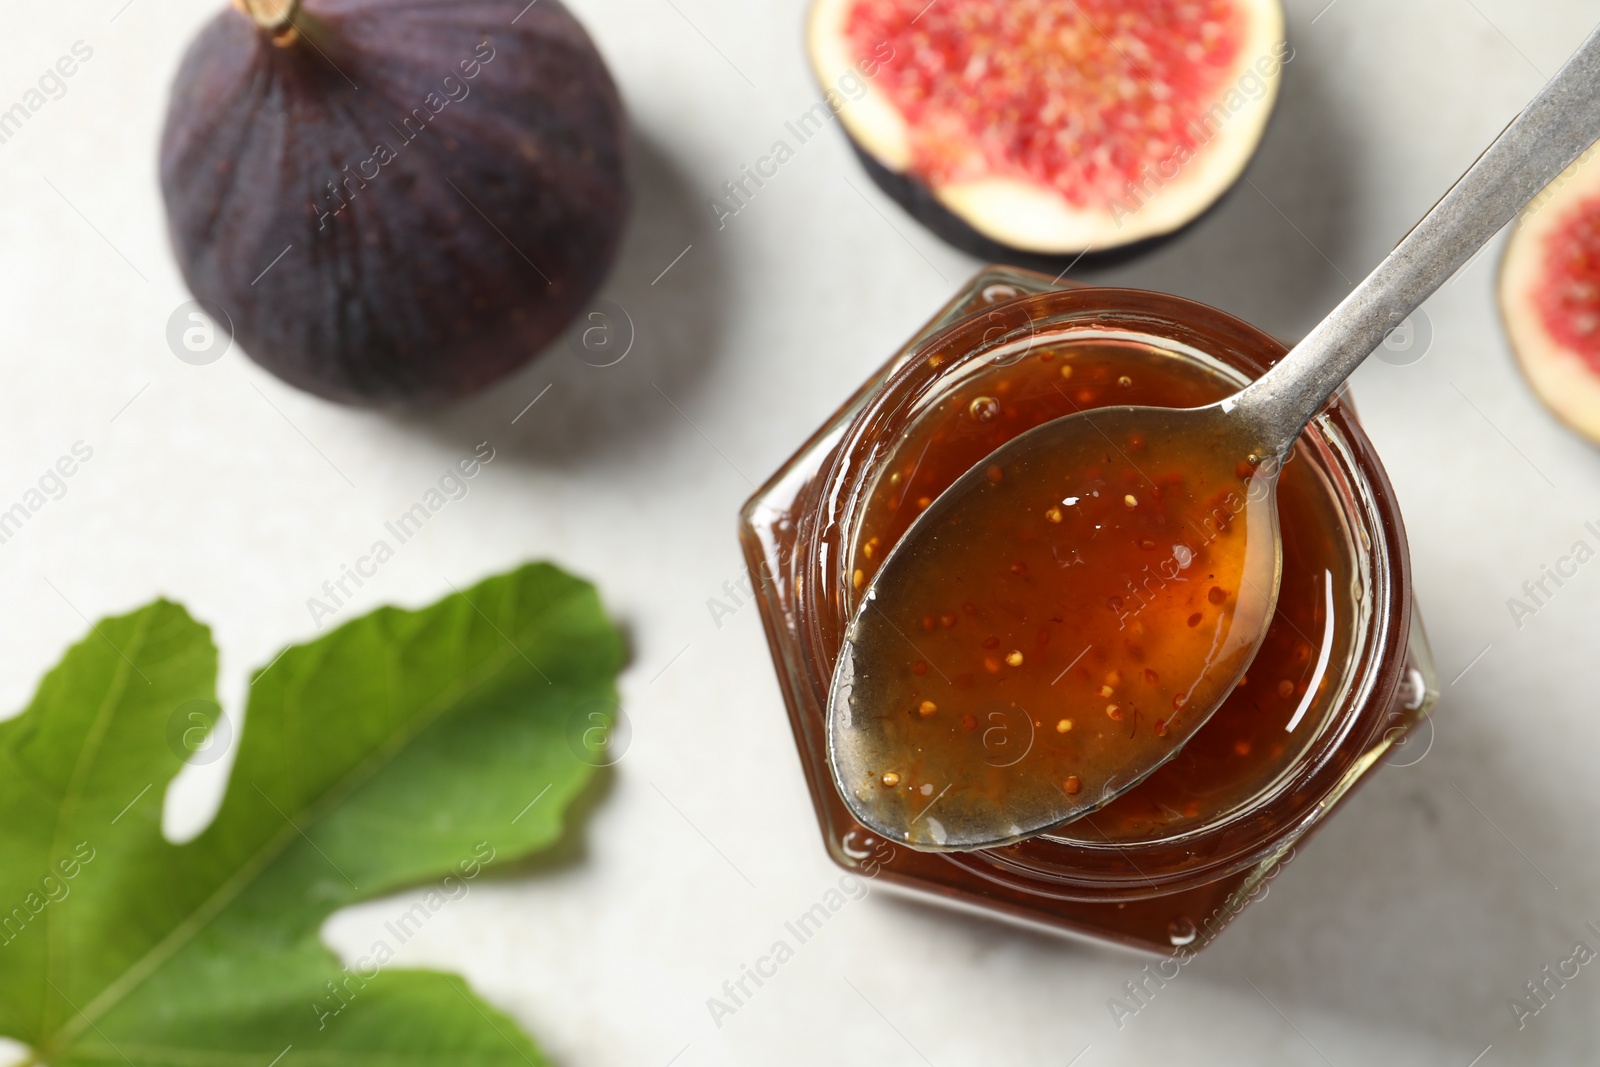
{"type": "Point", "coordinates": [395, 202]}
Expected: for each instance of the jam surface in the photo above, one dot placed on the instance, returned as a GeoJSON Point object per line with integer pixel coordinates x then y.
{"type": "Point", "coordinates": [1054, 671]}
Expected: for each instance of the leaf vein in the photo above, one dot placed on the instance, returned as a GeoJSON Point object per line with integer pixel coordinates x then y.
{"type": "Point", "coordinates": [72, 796]}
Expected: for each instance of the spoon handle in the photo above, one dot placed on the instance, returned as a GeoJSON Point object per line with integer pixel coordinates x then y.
{"type": "Point", "coordinates": [1549, 134]}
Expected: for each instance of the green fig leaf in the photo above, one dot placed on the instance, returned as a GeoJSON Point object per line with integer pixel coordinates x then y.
{"type": "Point", "coordinates": [401, 749]}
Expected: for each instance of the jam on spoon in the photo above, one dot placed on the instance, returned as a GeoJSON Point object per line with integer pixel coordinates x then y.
{"type": "Point", "coordinates": [1119, 549]}
{"type": "Point", "coordinates": [1033, 537]}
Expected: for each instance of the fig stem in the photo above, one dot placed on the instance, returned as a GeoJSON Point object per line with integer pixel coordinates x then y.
{"type": "Point", "coordinates": [282, 20]}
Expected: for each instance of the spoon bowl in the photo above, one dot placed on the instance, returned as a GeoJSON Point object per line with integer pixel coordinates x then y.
{"type": "Point", "coordinates": [1121, 564]}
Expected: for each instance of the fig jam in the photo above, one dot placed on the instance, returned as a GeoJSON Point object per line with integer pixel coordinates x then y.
{"type": "Point", "coordinates": [1343, 674]}
{"type": "Point", "coordinates": [1089, 667]}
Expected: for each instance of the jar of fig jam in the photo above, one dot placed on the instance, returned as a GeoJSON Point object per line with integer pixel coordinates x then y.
{"type": "Point", "coordinates": [1345, 671]}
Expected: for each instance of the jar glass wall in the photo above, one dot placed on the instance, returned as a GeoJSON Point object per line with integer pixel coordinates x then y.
{"type": "Point", "coordinates": [1173, 861]}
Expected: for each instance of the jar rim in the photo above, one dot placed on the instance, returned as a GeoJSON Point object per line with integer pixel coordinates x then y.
{"type": "Point", "coordinates": [1327, 766]}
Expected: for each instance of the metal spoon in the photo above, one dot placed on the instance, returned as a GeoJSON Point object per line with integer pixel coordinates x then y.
{"type": "Point", "coordinates": [932, 759]}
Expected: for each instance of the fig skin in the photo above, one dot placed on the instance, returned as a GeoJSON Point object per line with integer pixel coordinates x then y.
{"type": "Point", "coordinates": [436, 268]}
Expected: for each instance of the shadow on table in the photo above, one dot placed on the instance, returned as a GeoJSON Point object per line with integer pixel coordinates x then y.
{"type": "Point", "coordinates": [601, 391]}
{"type": "Point", "coordinates": [1424, 904]}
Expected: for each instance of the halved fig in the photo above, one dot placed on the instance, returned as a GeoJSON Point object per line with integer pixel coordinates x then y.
{"type": "Point", "coordinates": [1052, 127]}
{"type": "Point", "coordinates": [1550, 294]}
{"type": "Point", "coordinates": [395, 204]}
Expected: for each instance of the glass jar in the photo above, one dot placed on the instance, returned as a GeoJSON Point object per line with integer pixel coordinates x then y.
{"type": "Point", "coordinates": [1145, 872]}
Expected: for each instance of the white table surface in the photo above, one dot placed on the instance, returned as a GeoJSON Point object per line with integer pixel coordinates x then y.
{"type": "Point", "coordinates": [1398, 936]}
